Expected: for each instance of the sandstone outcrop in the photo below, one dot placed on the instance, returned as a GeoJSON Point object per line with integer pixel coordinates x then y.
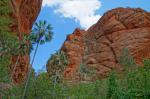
{"type": "Point", "coordinates": [101, 45]}
{"type": "Point", "coordinates": [74, 48]}
{"type": "Point", "coordinates": [24, 14]}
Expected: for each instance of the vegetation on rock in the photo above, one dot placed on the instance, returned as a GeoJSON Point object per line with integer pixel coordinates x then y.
{"type": "Point", "coordinates": [56, 66]}
{"type": "Point", "coordinates": [133, 83]}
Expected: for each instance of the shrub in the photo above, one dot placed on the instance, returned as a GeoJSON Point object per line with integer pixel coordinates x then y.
{"type": "Point", "coordinates": [86, 73]}
{"type": "Point", "coordinates": [126, 59]}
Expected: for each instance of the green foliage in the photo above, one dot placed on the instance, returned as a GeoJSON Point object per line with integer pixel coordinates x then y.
{"type": "Point", "coordinates": [9, 45]}
{"type": "Point", "coordinates": [25, 45]}
{"type": "Point", "coordinates": [56, 65]}
{"type": "Point", "coordinates": [4, 71]}
{"type": "Point", "coordinates": [126, 59]}
{"type": "Point", "coordinates": [5, 9]}
{"type": "Point", "coordinates": [41, 33]}
{"type": "Point", "coordinates": [15, 92]}
{"type": "Point", "coordinates": [45, 86]}
{"type": "Point", "coordinates": [132, 84]}
{"type": "Point", "coordinates": [112, 86]}
{"type": "Point", "coordinates": [86, 72]}
{"type": "Point", "coordinates": [8, 42]}
{"type": "Point", "coordinates": [146, 63]}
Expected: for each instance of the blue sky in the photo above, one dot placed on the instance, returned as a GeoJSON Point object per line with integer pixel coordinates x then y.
{"type": "Point", "coordinates": [66, 15]}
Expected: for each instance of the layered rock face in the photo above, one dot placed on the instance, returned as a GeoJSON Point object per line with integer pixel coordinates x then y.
{"type": "Point", "coordinates": [101, 45]}
{"type": "Point", "coordinates": [24, 15]}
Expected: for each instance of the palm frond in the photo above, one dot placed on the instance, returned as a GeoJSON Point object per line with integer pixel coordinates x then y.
{"type": "Point", "coordinates": [42, 32]}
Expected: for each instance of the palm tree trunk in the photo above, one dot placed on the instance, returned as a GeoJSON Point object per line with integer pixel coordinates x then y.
{"type": "Point", "coordinates": [30, 71]}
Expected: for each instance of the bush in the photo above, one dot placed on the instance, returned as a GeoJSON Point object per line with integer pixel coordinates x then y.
{"type": "Point", "coordinates": [86, 73]}
{"type": "Point", "coordinates": [126, 59]}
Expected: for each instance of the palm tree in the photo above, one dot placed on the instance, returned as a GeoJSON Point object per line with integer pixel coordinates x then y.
{"type": "Point", "coordinates": [22, 48]}
{"type": "Point", "coordinates": [41, 33]}
{"type": "Point", "coordinates": [56, 65]}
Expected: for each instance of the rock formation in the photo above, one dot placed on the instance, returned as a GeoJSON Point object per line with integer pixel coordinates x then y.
{"type": "Point", "coordinates": [101, 45]}
{"type": "Point", "coordinates": [74, 48]}
{"type": "Point", "coordinates": [24, 14]}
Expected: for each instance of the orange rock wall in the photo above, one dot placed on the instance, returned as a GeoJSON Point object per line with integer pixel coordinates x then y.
{"type": "Point", "coordinates": [102, 43]}
{"type": "Point", "coordinates": [24, 15]}
{"type": "Point", "coordinates": [74, 48]}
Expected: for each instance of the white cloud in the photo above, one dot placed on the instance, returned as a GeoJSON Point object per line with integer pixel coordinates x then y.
{"type": "Point", "coordinates": [83, 11]}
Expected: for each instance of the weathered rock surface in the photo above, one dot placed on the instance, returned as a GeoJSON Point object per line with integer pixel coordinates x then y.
{"type": "Point", "coordinates": [74, 48]}
{"type": "Point", "coordinates": [24, 15]}
{"type": "Point", "coordinates": [101, 45]}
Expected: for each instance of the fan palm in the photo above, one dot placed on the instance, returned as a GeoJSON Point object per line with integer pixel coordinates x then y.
{"type": "Point", "coordinates": [41, 33]}
{"type": "Point", "coordinates": [22, 48]}
{"type": "Point", "coordinates": [56, 65]}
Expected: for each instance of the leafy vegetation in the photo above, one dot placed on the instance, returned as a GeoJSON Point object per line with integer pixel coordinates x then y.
{"type": "Point", "coordinates": [133, 83]}
{"type": "Point", "coordinates": [8, 42]}
{"type": "Point", "coordinates": [41, 33]}
{"type": "Point", "coordinates": [126, 59]}
{"type": "Point", "coordinates": [56, 65]}
{"type": "Point", "coordinates": [86, 73]}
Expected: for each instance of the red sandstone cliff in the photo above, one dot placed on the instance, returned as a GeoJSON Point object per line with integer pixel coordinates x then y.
{"type": "Point", "coordinates": [101, 45]}
{"type": "Point", "coordinates": [24, 15]}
